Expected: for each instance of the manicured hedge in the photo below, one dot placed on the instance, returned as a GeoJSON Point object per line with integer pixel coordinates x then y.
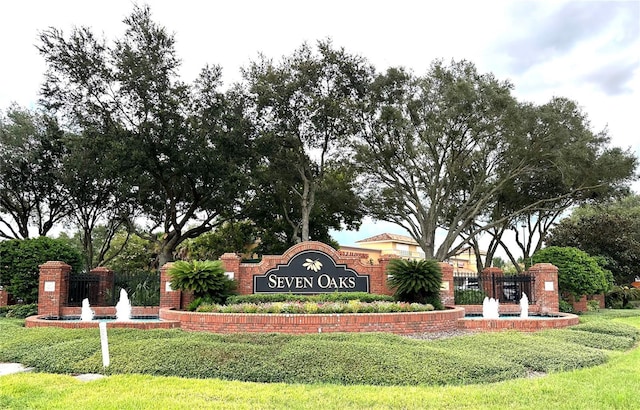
{"type": "Point", "coordinates": [20, 258]}
{"type": "Point", "coordinates": [322, 297]}
{"type": "Point", "coordinates": [19, 311]}
{"type": "Point", "coordinates": [609, 328]}
{"type": "Point", "coordinates": [352, 306]}
{"type": "Point", "coordinates": [370, 358]}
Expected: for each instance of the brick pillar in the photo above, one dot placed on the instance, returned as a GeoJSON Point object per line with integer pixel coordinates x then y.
{"type": "Point", "coordinates": [447, 289]}
{"type": "Point", "coordinates": [169, 298]}
{"type": "Point", "coordinates": [231, 264]}
{"type": "Point", "coordinates": [546, 287]}
{"type": "Point", "coordinates": [4, 297]}
{"type": "Point", "coordinates": [53, 289]}
{"type": "Point", "coordinates": [487, 283]}
{"type": "Point", "coordinates": [383, 262]}
{"type": "Point", "coordinates": [105, 286]}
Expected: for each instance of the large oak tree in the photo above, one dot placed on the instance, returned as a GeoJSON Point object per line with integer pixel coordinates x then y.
{"type": "Point", "coordinates": [180, 149]}
{"type": "Point", "coordinates": [454, 150]}
{"type": "Point", "coordinates": [306, 109]}
{"type": "Point", "coordinates": [31, 153]}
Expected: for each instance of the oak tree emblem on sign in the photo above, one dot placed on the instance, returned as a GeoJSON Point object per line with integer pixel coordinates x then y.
{"type": "Point", "coordinates": [313, 265]}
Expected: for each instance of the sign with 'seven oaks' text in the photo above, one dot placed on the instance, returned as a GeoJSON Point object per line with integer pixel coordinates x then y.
{"type": "Point", "coordinates": [310, 272]}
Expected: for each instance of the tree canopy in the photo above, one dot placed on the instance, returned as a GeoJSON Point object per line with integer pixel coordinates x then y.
{"type": "Point", "coordinates": [305, 109]}
{"type": "Point", "coordinates": [454, 150]}
{"type": "Point", "coordinates": [610, 231]}
{"type": "Point", "coordinates": [31, 153]}
{"type": "Point", "coordinates": [181, 150]}
{"type": "Point", "coordinates": [578, 273]}
{"type": "Point", "coordinates": [314, 141]}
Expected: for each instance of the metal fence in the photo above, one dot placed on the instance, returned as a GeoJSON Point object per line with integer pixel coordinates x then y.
{"type": "Point", "coordinates": [472, 289]}
{"type": "Point", "coordinates": [143, 287]}
{"type": "Point", "coordinates": [83, 286]}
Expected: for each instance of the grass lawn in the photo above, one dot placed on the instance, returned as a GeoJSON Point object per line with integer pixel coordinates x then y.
{"type": "Point", "coordinates": [614, 384]}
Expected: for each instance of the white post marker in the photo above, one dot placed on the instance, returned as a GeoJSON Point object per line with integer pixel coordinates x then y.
{"type": "Point", "coordinates": [104, 343]}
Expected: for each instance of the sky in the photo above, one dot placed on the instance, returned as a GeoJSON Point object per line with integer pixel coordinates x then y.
{"type": "Point", "coordinates": [587, 51]}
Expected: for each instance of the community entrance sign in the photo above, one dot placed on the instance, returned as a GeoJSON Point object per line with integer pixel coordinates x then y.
{"type": "Point", "coordinates": [310, 271]}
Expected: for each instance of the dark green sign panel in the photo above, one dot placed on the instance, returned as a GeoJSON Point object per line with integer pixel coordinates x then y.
{"type": "Point", "coordinates": [310, 272]}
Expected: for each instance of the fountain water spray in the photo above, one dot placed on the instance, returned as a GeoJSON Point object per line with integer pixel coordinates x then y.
{"type": "Point", "coordinates": [123, 307]}
{"type": "Point", "coordinates": [490, 308]}
{"type": "Point", "coordinates": [524, 305]}
{"type": "Point", "coordinates": [87, 314]}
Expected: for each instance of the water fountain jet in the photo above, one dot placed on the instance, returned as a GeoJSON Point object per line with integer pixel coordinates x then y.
{"type": "Point", "coordinates": [123, 307]}
{"type": "Point", "coordinates": [490, 308]}
{"type": "Point", "coordinates": [524, 306]}
{"type": "Point", "coordinates": [86, 314]}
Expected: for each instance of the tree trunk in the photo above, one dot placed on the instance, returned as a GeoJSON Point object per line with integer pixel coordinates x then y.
{"type": "Point", "coordinates": [308, 199]}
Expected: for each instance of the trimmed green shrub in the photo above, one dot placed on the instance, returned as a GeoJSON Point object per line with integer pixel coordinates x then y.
{"type": "Point", "coordinates": [368, 358]}
{"type": "Point", "coordinates": [578, 273]}
{"type": "Point", "coordinates": [469, 296]}
{"type": "Point", "coordinates": [595, 340]}
{"type": "Point", "coordinates": [352, 306]}
{"type": "Point", "coordinates": [565, 306]}
{"type": "Point", "coordinates": [20, 258]}
{"type": "Point", "coordinates": [416, 280]}
{"type": "Point", "coordinates": [609, 328]}
{"type": "Point", "coordinates": [19, 311]}
{"type": "Point", "coordinates": [321, 297]}
{"type": "Point", "coordinates": [206, 279]}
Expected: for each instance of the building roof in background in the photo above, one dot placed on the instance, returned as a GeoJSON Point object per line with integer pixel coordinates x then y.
{"type": "Point", "coordinates": [386, 237]}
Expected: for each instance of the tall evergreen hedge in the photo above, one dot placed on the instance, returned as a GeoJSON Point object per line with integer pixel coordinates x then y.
{"type": "Point", "coordinates": [19, 261]}
{"type": "Point", "coordinates": [578, 273]}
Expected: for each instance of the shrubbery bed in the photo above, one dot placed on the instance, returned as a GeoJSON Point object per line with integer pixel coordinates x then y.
{"type": "Point", "coordinates": [352, 306]}
{"type": "Point", "coordinates": [319, 298]}
{"type": "Point", "coordinates": [368, 358]}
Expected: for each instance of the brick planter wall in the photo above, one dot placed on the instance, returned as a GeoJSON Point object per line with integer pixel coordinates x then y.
{"type": "Point", "coordinates": [398, 323]}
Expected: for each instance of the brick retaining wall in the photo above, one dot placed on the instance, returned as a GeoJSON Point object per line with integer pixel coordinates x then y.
{"type": "Point", "coordinates": [398, 323]}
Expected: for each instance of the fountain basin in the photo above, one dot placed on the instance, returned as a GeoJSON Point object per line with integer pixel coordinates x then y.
{"type": "Point", "coordinates": [74, 322]}
{"type": "Point", "coordinates": [531, 323]}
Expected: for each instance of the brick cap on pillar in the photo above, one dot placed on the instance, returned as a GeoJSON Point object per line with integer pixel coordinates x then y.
{"type": "Point", "coordinates": [54, 264]}
{"type": "Point", "coordinates": [544, 265]}
{"type": "Point", "coordinates": [388, 257]}
{"type": "Point", "coordinates": [229, 255]}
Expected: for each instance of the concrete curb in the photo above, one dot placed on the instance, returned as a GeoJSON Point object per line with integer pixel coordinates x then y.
{"type": "Point", "coordinates": [13, 368]}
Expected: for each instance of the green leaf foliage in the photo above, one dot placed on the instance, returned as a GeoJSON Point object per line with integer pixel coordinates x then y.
{"type": "Point", "coordinates": [578, 273]}
{"type": "Point", "coordinates": [19, 311]}
{"type": "Point", "coordinates": [416, 281]}
{"type": "Point", "coordinates": [20, 258]}
{"type": "Point", "coordinates": [206, 279]}
{"type": "Point", "coordinates": [611, 231]}
{"type": "Point", "coordinates": [322, 297]}
{"type": "Point", "coordinates": [621, 297]}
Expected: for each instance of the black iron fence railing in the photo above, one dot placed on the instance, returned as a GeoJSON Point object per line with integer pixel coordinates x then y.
{"type": "Point", "coordinates": [472, 289]}
{"type": "Point", "coordinates": [83, 286]}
